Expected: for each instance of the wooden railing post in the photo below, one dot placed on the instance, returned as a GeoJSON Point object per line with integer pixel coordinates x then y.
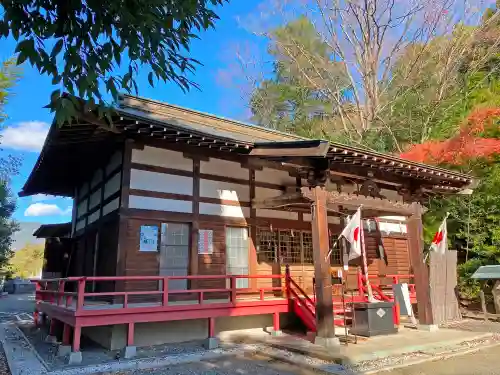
{"type": "Point", "coordinates": [165, 291]}
{"type": "Point", "coordinates": [37, 290]}
{"type": "Point", "coordinates": [287, 281]}
{"type": "Point", "coordinates": [361, 288]}
{"type": "Point", "coordinates": [232, 284]}
{"type": "Point", "coordinates": [38, 296]}
{"type": "Point", "coordinates": [61, 291]}
{"type": "Point", "coordinates": [80, 294]}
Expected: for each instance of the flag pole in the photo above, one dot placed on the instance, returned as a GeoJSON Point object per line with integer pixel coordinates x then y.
{"type": "Point", "coordinates": [365, 263]}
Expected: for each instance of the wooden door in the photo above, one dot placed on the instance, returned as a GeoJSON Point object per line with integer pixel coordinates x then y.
{"type": "Point", "coordinates": [174, 253]}
{"type": "Point", "coordinates": [237, 255]}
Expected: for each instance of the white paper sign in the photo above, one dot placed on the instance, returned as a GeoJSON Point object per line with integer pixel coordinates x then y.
{"type": "Point", "coordinates": [402, 296]}
{"type": "Point", "coordinates": [149, 238]}
{"type": "Point", "coordinates": [205, 241]}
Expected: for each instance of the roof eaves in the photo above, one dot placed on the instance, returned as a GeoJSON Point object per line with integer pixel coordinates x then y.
{"type": "Point", "coordinates": [242, 124]}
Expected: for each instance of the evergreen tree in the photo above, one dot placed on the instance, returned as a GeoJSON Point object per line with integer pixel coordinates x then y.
{"type": "Point", "coordinates": [8, 167]}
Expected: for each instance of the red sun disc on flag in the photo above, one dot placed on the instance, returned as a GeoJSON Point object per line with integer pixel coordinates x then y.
{"type": "Point", "coordinates": [438, 237]}
{"type": "Point", "coordinates": [356, 234]}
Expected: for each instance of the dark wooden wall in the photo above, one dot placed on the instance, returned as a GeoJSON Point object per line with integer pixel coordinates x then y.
{"type": "Point", "coordinates": [147, 263]}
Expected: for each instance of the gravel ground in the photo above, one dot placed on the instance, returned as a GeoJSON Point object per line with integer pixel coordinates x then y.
{"type": "Point", "coordinates": [237, 365]}
{"type": "Point", "coordinates": [93, 354]}
{"type": "Point", "coordinates": [484, 362]}
{"type": "Point", "coordinates": [476, 325]}
{"type": "Point", "coordinates": [4, 367]}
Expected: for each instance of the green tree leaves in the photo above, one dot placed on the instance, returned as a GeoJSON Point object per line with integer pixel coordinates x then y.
{"type": "Point", "coordinates": [92, 39]}
{"type": "Point", "coordinates": [27, 262]}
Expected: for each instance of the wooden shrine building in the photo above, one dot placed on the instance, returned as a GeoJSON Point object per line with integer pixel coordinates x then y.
{"type": "Point", "coordinates": [179, 205]}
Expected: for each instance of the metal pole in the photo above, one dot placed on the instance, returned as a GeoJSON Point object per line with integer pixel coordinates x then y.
{"type": "Point", "coordinates": [343, 308]}
{"type": "Point", "coordinates": [353, 317]}
{"type": "Point", "coordinates": [365, 264]}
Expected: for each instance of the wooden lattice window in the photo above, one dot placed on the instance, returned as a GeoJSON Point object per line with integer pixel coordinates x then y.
{"type": "Point", "coordinates": [267, 245]}
{"type": "Point", "coordinates": [289, 246]}
{"type": "Point", "coordinates": [307, 247]}
{"type": "Point", "coordinates": [336, 248]}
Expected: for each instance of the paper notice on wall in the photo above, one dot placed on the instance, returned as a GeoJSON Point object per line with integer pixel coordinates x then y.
{"type": "Point", "coordinates": [205, 241]}
{"type": "Point", "coordinates": [148, 238]}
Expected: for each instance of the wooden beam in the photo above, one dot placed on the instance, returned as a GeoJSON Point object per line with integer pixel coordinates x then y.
{"type": "Point", "coordinates": [324, 305]}
{"type": "Point", "coordinates": [291, 149]}
{"type": "Point", "coordinates": [420, 271]}
{"type": "Point", "coordinates": [284, 199]}
{"type": "Point", "coordinates": [195, 226]}
{"type": "Point", "coordinates": [370, 203]}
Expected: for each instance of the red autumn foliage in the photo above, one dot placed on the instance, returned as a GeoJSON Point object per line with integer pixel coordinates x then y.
{"type": "Point", "coordinates": [466, 145]}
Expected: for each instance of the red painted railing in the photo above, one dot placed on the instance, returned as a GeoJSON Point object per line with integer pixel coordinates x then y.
{"type": "Point", "coordinates": [302, 304]}
{"type": "Point", "coordinates": [53, 290]}
{"type": "Point", "coordinates": [71, 293]}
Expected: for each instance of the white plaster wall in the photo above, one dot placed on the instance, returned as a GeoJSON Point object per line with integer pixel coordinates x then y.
{"type": "Point", "coordinates": [276, 214]}
{"type": "Point", "coordinates": [81, 208]}
{"type": "Point", "coordinates": [96, 178]}
{"type": "Point", "coordinates": [224, 190]}
{"type": "Point", "coordinates": [80, 224]}
{"type": "Point", "coordinates": [160, 204]}
{"type": "Point", "coordinates": [274, 176]}
{"type": "Point", "coordinates": [113, 185]}
{"type": "Point", "coordinates": [161, 182]}
{"type": "Point", "coordinates": [94, 216]}
{"type": "Point", "coordinates": [392, 227]}
{"type": "Point", "coordinates": [95, 199]}
{"type": "Point", "coordinates": [111, 206]}
{"type": "Point", "coordinates": [114, 162]}
{"type": "Point", "coordinates": [225, 168]}
{"type": "Point", "coordinates": [162, 158]}
{"type": "Point", "coordinates": [331, 219]}
{"type": "Point", "coordinates": [224, 210]}
{"type": "Point", "coordinates": [84, 189]}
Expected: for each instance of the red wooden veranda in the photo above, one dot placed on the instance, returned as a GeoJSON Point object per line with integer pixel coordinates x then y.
{"type": "Point", "coordinates": [82, 308]}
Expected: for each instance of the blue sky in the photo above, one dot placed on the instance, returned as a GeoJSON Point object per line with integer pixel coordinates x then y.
{"type": "Point", "coordinates": [25, 129]}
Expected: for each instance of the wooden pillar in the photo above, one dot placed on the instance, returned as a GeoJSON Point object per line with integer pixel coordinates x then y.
{"type": "Point", "coordinates": [77, 332]}
{"type": "Point", "coordinates": [195, 224]}
{"type": "Point", "coordinates": [66, 334]}
{"type": "Point", "coordinates": [324, 302]}
{"type": "Point", "coordinates": [130, 334]}
{"type": "Point", "coordinates": [420, 270]}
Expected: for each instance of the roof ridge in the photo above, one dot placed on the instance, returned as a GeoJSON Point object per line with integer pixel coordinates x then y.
{"type": "Point", "coordinates": [242, 124]}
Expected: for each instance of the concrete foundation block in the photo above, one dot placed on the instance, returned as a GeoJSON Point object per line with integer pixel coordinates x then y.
{"type": "Point", "coordinates": [51, 339]}
{"type": "Point", "coordinates": [428, 327]}
{"type": "Point", "coordinates": [129, 352]}
{"type": "Point", "coordinates": [276, 333]}
{"type": "Point", "coordinates": [211, 343]}
{"type": "Point", "coordinates": [75, 358]}
{"type": "Point", "coordinates": [327, 342]}
{"type": "Point", "coordinates": [63, 350]}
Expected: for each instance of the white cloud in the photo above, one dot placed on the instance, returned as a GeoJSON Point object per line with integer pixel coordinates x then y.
{"type": "Point", "coordinates": [25, 136]}
{"type": "Point", "coordinates": [44, 209]}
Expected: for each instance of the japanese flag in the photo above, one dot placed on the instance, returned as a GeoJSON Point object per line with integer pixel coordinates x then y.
{"type": "Point", "coordinates": [352, 233]}
{"type": "Point", "coordinates": [440, 240]}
